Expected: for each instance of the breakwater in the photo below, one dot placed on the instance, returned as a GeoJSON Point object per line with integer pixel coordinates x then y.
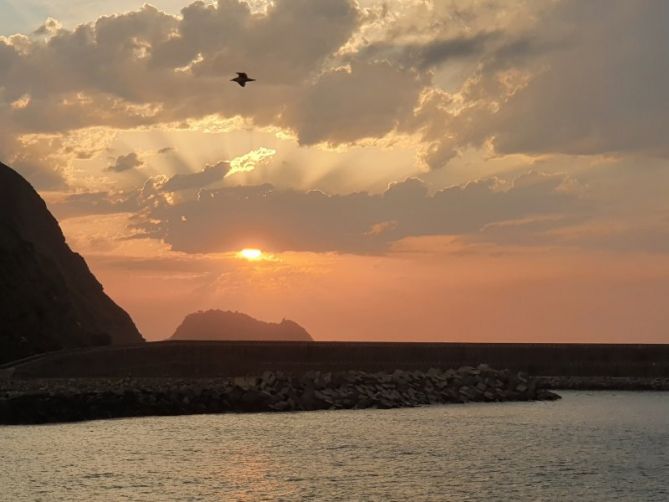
{"type": "Point", "coordinates": [214, 359]}
{"type": "Point", "coordinates": [67, 400]}
{"type": "Point", "coordinates": [604, 383]}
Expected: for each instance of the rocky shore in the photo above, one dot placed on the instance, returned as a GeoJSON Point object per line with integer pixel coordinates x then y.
{"type": "Point", "coordinates": [68, 400]}
{"type": "Point", "coordinates": [603, 383]}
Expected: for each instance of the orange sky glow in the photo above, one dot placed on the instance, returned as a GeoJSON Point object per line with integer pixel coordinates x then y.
{"type": "Point", "coordinates": [400, 170]}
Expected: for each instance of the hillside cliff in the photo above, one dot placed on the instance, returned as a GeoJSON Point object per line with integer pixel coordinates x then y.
{"type": "Point", "coordinates": [49, 299]}
{"type": "Point", "coordinates": [220, 325]}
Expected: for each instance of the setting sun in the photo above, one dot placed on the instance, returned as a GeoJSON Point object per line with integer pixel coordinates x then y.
{"type": "Point", "coordinates": [251, 254]}
{"type": "Point", "coordinates": [334, 221]}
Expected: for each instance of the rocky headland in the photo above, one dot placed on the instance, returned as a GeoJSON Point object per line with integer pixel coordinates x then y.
{"type": "Point", "coordinates": [49, 299]}
{"type": "Point", "coordinates": [225, 325]}
{"type": "Point", "coordinates": [66, 400]}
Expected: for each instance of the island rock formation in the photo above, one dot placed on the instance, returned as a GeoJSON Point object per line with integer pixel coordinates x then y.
{"type": "Point", "coordinates": [49, 299]}
{"type": "Point", "coordinates": [225, 325]}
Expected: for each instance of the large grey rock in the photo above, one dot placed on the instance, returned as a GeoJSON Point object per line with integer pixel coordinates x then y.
{"type": "Point", "coordinates": [49, 299]}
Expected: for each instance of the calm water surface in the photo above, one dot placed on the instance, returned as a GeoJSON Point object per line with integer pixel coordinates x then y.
{"type": "Point", "coordinates": [589, 446]}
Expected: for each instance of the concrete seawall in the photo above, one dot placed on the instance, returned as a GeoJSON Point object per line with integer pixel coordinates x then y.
{"type": "Point", "coordinates": [214, 359]}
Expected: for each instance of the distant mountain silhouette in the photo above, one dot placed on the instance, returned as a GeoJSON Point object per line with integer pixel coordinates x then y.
{"type": "Point", "coordinates": [49, 299]}
{"type": "Point", "coordinates": [226, 325]}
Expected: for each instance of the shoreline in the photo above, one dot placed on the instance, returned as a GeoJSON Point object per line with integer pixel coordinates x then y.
{"type": "Point", "coordinates": [35, 401]}
{"type": "Point", "coordinates": [32, 400]}
{"type": "Point", "coordinates": [603, 383]}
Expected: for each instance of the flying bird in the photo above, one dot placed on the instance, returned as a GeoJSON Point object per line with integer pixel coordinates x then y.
{"type": "Point", "coordinates": [242, 78]}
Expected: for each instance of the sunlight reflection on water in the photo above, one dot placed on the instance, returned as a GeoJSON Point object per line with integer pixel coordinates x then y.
{"type": "Point", "coordinates": [589, 446]}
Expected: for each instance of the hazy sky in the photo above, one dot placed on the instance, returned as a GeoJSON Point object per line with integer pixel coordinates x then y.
{"type": "Point", "coordinates": [412, 169]}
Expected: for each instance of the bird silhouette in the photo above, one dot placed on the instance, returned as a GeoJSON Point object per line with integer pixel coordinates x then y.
{"type": "Point", "coordinates": [242, 78]}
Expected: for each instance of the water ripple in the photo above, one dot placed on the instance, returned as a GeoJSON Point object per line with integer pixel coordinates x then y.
{"type": "Point", "coordinates": [589, 446]}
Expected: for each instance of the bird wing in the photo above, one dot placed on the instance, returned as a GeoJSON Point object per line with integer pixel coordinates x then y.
{"type": "Point", "coordinates": [242, 74]}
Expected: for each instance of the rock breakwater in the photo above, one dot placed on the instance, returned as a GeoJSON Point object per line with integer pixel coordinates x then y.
{"type": "Point", "coordinates": [603, 383]}
{"type": "Point", "coordinates": [67, 400]}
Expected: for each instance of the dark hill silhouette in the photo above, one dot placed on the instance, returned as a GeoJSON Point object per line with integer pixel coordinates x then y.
{"type": "Point", "coordinates": [49, 299]}
{"type": "Point", "coordinates": [220, 325]}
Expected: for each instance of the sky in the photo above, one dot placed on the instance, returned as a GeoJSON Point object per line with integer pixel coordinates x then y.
{"type": "Point", "coordinates": [448, 170]}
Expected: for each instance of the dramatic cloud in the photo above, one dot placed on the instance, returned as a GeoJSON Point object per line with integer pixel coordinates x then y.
{"type": "Point", "coordinates": [429, 154]}
{"type": "Point", "coordinates": [573, 85]}
{"type": "Point", "coordinates": [148, 67]}
{"type": "Point", "coordinates": [209, 175]}
{"type": "Point", "coordinates": [281, 220]}
{"type": "Point", "coordinates": [602, 92]}
{"type": "Point", "coordinates": [428, 54]}
{"type": "Point", "coordinates": [532, 78]}
{"type": "Point", "coordinates": [343, 106]}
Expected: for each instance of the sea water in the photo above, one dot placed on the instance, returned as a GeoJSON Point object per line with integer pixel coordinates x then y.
{"type": "Point", "coordinates": [588, 446]}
